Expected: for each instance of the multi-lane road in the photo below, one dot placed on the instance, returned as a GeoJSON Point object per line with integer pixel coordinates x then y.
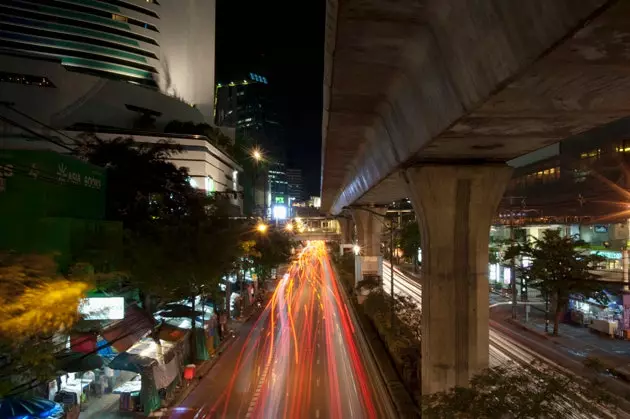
{"type": "Point", "coordinates": [302, 358]}
{"type": "Point", "coordinates": [502, 349]}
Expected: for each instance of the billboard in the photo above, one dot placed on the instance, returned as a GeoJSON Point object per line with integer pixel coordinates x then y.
{"type": "Point", "coordinates": [103, 308]}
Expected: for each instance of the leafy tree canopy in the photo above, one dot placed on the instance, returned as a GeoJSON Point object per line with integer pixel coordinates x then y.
{"type": "Point", "coordinates": [410, 239]}
{"type": "Point", "coordinates": [514, 391]}
{"type": "Point", "coordinates": [175, 258]}
{"type": "Point", "coordinates": [35, 303]}
{"type": "Point", "coordinates": [559, 269]}
{"type": "Point", "coordinates": [214, 134]}
{"type": "Point", "coordinates": [34, 298]}
{"type": "Point", "coordinates": [141, 183]}
{"type": "Point", "coordinates": [274, 248]}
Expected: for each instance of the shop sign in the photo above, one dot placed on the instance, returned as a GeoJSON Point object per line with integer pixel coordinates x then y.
{"type": "Point", "coordinates": [608, 254]}
{"type": "Point", "coordinates": [103, 308]}
{"type": "Point", "coordinates": [601, 229]}
{"type": "Point", "coordinates": [370, 265]}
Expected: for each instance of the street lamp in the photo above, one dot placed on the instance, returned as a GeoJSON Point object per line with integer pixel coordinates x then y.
{"type": "Point", "coordinates": [257, 155]}
{"type": "Point", "coordinates": [261, 227]}
{"type": "Point", "coordinates": [289, 227]}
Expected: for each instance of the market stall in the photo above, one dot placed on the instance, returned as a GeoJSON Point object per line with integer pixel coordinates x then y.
{"type": "Point", "coordinates": [603, 318]}
{"type": "Point", "coordinates": [155, 367]}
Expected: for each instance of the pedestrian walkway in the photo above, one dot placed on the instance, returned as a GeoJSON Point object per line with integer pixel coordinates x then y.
{"type": "Point", "coordinates": [576, 342]}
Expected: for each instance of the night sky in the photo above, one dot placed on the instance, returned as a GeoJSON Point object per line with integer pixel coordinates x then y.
{"type": "Point", "coordinates": [284, 41]}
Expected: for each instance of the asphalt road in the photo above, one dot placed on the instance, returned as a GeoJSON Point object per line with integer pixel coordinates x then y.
{"type": "Point", "coordinates": [502, 348]}
{"type": "Point", "coordinates": [302, 358]}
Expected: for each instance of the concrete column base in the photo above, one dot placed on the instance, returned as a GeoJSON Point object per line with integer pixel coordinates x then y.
{"type": "Point", "coordinates": [455, 206]}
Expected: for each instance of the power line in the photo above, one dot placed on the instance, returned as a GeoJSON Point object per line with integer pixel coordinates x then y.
{"type": "Point", "coordinates": [30, 131]}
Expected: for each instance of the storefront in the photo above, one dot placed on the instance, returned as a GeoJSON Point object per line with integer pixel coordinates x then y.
{"type": "Point", "coordinates": [612, 259]}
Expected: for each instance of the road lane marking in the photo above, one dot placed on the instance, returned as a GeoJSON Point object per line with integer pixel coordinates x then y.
{"type": "Point", "coordinates": [317, 381]}
{"type": "Point", "coordinates": [317, 361]}
{"type": "Point", "coordinates": [317, 413]}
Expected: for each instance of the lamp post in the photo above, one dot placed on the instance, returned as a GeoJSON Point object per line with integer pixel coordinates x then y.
{"type": "Point", "coordinates": [257, 155]}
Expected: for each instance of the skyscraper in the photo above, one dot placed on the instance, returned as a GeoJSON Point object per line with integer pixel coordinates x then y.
{"type": "Point", "coordinates": [295, 185]}
{"type": "Point", "coordinates": [246, 104]}
{"type": "Point", "coordinates": [113, 68]}
{"type": "Point", "coordinates": [278, 185]}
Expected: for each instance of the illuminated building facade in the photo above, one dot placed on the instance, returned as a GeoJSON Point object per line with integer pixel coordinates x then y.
{"type": "Point", "coordinates": [99, 56]}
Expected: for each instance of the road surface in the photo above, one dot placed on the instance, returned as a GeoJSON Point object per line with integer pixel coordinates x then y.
{"type": "Point", "coordinates": [302, 359]}
{"type": "Point", "coordinates": [502, 348]}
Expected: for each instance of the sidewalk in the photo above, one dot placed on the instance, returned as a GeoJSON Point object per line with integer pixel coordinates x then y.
{"type": "Point", "coordinates": [573, 341]}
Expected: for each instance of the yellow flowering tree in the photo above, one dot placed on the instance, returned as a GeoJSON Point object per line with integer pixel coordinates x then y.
{"type": "Point", "coordinates": [35, 303]}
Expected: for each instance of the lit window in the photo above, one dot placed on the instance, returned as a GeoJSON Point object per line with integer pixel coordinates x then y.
{"type": "Point", "coordinates": [119, 18]}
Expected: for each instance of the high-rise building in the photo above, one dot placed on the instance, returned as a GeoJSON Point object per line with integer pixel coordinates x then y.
{"type": "Point", "coordinates": [113, 68]}
{"type": "Point", "coordinates": [246, 104]}
{"type": "Point", "coordinates": [295, 185]}
{"type": "Point", "coordinates": [278, 195]}
{"type": "Point", "coordinates": [68, 58]}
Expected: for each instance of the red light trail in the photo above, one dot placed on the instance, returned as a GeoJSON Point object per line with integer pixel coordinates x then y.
{"type": "Point", "coordinates": [301, 358]}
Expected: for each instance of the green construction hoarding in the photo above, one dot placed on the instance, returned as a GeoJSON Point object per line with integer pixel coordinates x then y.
{"type": "Point", "coordinates": [40, 183]}
{"type": "Point", "coordinates": [52, 203]}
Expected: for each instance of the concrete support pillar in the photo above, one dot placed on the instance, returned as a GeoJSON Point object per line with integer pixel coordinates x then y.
{"type": "Point", "coordinates": [345, 230]}
{"type": "Point", "coordinates": [454, 206]}
{"type": "Point", "coordinates": [369, 229]}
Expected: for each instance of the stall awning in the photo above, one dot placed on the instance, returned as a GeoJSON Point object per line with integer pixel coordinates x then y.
{"type": "Point", "coordinates": [78, 362]}
{"type": "Point", "coordinates": [126, 332]}
{"type": "Point", "coordinates": [131, 362]}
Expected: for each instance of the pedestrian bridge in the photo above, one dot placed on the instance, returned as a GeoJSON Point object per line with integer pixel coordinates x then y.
{"type": "Point", "coordinates": [317, 228]}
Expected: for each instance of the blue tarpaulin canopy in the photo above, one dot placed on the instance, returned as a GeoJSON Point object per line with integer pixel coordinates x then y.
{"type": "Point", "coordinates": [28, 408]}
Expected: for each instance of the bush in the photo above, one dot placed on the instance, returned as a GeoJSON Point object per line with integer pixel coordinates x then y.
{"type": "Point", "coordinates": [401, 342]}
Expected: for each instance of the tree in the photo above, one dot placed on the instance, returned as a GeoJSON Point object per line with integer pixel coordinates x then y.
{"type": "Point", "coordinates": [274, 249]}
{"type": "Point", "coordinates": [34, 298]}
{"type": "Point", "coordinates": [408, 311]}
{"type": "Point", "coordinates": [35, 303]}
{"type": "Point", "coordinates": [180, 257]}
{"type": "Point", "coordinates": [410, 241]}
{"type": "Point", "coordinates": [214, 134]}
{"type": "Point", "coordinates": [141, 183]}
{"type": "Point", "coordinates": [560, 269]}
{"type": "Point", "coordinates": [513, 391]}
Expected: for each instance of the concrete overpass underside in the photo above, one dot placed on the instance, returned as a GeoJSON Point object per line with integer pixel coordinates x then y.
{"type": "Point", "coordinates": [427, 99]}
{"type": "Point", "coordinates": [412, 82]}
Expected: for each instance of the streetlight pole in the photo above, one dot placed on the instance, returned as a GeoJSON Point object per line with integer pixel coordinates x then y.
{"type": "Point", "coordinates": [391, 270]}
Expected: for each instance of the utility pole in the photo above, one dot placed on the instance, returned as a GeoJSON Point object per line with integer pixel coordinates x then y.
{"type": "Point", "coordinates": [391, 270]}
{"type": "Point", "coordinates": [513, 267]}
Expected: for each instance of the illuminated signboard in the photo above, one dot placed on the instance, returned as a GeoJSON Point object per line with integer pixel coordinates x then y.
{"type": "Point", "coordinates": [279, 212]}
{"type": "Point", "coordinates": [103, 308]}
